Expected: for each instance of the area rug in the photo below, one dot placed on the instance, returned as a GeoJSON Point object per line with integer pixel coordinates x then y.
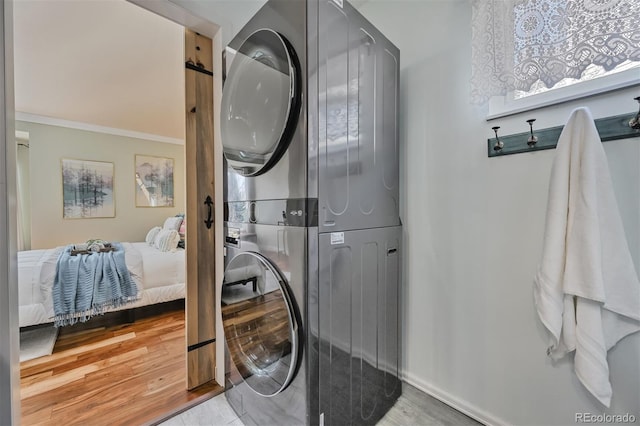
{"type": "Point", "coordinates": [37, 342]}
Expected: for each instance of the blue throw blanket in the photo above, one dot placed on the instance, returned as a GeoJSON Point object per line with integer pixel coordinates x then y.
{"type": "Point", "coordinates": [87, 284]}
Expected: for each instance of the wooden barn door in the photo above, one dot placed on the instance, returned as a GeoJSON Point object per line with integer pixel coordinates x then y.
{"type": "Point", "coordinates": [200, 238]}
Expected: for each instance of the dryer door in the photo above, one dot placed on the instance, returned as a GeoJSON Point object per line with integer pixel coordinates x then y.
{"type": "Point", "coordinates": [260, 103]}
{"type": "Point", "coordinates": [260, 323]}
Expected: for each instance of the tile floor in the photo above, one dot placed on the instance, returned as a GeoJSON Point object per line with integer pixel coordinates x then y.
{"type": "Point", "coordinates": [412, 408]}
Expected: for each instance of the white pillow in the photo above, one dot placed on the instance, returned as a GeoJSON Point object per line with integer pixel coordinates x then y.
{"type": "Point", "coordinates": [172, 222]}
{"type": "Point", "coordinates": [167, 240]}
{"type": "Point", "coordinates": [151, 235]}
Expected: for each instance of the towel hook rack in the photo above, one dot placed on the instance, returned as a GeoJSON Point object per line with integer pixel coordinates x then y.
{"type": "Point", "coordinates": [609, 128]}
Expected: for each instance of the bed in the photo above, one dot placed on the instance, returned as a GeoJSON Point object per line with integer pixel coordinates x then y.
{"type": "Point", "coordinates": [159, 276]}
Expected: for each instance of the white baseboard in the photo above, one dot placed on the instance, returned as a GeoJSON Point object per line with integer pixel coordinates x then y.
{"type": "Point", "coordinates": [453, 401]}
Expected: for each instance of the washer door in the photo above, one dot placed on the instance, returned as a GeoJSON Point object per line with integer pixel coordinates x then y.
{"type": "Point", "coordinates": [260, 325]}
{"type": "Point", "coordinates": [260, 103]}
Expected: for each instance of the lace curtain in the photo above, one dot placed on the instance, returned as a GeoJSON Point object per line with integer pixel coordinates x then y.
{"type": "Point", "coordinates": [517, 43]}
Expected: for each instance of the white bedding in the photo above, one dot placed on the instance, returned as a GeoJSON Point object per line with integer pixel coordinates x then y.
{"type": "Point", "coordinates": [160, 277]}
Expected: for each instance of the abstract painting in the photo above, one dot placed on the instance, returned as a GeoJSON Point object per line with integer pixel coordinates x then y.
{"type": "Point", "coordinates": [87, 189]}
{"type": "Point", "coordinates": [154, 181]}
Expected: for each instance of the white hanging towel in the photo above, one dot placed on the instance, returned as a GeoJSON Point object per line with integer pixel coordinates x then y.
{"type": "Point", "coordinates": [586, 289]}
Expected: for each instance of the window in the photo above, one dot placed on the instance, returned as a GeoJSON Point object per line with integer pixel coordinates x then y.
{"type": "Point", "coordinates": [537, 52]}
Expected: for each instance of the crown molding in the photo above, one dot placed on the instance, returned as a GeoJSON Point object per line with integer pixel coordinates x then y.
{"type": "Point", "coordinates": [51, 121]}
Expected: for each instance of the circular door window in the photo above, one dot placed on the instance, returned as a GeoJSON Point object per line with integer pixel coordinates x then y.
{"type": "Point", "coordinates": [260, 325]}
{"type": "Point", "coordinates": [260, 103]}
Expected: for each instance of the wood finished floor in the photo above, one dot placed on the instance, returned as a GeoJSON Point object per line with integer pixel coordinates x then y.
{"type": "Point", "coordinates": [127, 374]}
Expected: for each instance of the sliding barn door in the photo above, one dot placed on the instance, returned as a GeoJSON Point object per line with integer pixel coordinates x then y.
{"type": "Point", "coordinates": [200, 299]}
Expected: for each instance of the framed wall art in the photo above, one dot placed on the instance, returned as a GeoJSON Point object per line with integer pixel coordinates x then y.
{"type": "Point", "coordinates": [154, 181]}
{"type": "Point", "coordinates": [87, 189]}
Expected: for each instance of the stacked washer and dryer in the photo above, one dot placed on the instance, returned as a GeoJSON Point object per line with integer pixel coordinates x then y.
{"type": "Point", "coordinates": [310, 299]}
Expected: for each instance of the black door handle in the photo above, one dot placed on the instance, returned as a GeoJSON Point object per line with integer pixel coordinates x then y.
{"type": "Point", "coordinates": [209, 221]}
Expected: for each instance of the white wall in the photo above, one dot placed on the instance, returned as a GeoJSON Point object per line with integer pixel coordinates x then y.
{"type": "Point", "coordinates": [49, 144]}
{"type": "Point", "coordinates": [229, 15]}
{"type": "Point", "coordinates": [473, 233]}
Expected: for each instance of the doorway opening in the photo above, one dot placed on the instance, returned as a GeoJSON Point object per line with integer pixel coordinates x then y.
{"type": "Point", "coordinates": [114, 349]}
